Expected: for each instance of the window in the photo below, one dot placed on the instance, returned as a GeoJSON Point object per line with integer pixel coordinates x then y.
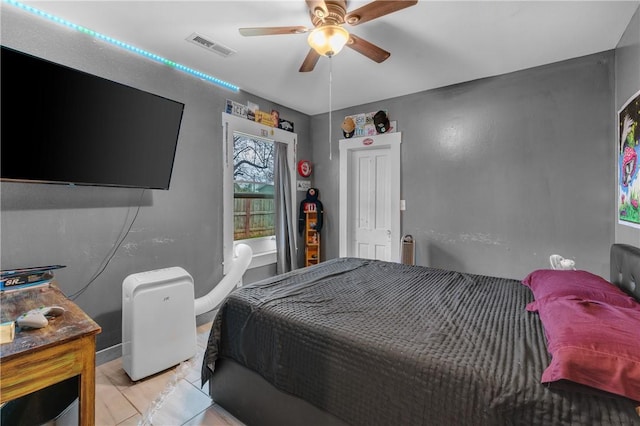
{"type": "Point", "coordinates": [253, 206]}
{"type": "Point", "coordinates": [248, 191]}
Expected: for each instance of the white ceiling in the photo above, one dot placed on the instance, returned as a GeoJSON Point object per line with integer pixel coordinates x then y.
{"type": "Point", "coordinates": [432, 44]}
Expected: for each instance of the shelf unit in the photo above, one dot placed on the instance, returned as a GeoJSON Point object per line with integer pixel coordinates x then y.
{"type": "Point", "coordinates": [311, 238]}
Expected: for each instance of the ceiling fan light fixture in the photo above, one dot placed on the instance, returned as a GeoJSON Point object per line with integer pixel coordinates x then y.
{"type": "Point", "coordinates": [328, 40]}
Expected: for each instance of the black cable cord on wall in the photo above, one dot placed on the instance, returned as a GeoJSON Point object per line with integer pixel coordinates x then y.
{"type": "Point", "coordinates": [110, 255]}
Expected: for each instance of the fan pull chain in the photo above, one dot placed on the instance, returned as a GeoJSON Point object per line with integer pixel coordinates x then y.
{"type": "Point", "coordinates": [330, 119]}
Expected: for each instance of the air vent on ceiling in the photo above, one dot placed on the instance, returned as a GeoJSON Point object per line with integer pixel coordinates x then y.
{"type": "Point", "coordinates": [213, 46]}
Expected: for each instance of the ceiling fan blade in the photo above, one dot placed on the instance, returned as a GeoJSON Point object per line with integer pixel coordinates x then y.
{"type": "Point", "coordinates": [318, 8]}
{"type": "Point", "coordinates": [369, 50]}
{"type": "Point", "coordinates": [376, 9]}
{"type": "Point", "coordinates": [261, 31]}
{"type": "Point", "coordinates": [310, 61]}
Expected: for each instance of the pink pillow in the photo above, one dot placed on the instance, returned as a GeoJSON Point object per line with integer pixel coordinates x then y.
{"type": "Point", "coordinates": [549, 283]}
{"type": "Point", "coordinates": [593, 344]}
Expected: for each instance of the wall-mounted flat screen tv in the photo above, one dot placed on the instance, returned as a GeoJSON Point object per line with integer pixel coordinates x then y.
{"type": "Point", "coordinates": [61, 125]}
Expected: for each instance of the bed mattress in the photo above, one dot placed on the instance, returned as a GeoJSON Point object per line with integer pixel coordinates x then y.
{"type": "Point", "coordinates": [379, 343]}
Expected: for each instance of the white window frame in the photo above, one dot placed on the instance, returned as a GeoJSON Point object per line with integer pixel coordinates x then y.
{"type": "Point", "coordinates": [264, 249]}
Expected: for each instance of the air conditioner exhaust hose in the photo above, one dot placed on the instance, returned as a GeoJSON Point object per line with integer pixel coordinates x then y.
{"type": "Point", "coordinates": [239, 264]}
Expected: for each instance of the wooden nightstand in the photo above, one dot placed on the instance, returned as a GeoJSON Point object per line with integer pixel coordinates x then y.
{"type": "Point", "coordinates": [46, 356]}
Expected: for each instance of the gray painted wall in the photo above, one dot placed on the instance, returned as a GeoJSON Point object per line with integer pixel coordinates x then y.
{"type": "Point", "coordinates": [499, 173]}
{"type": "Point", "coordinates": [78, 226]}
{"type": "Point", "coordinates": [627, 84]}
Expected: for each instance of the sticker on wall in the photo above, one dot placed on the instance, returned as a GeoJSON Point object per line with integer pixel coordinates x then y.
{"type": "Point", "coordinates": [303, 185]}
{"type": "Point", "coordinates": [628, 152]}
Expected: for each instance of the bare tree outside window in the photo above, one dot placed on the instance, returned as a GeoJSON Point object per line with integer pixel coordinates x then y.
{"type": "Point", "coordinates": [254, 209]}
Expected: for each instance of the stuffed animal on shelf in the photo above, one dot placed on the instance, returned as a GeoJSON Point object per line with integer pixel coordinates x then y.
{"type": "Point", "coordinates": [310, 203]}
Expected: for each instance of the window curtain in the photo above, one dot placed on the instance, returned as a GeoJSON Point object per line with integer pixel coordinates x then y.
{"type": "Point", "coordinates": [287, 259]}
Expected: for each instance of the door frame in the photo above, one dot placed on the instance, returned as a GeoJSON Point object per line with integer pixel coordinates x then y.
{"type": "Point", "coordinates": [389, 141]}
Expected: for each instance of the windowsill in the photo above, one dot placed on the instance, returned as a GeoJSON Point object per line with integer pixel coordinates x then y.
{"type": "Point", "coordinates": [264, 251]}
{"type": "Point", "coordinates": [262, 259]}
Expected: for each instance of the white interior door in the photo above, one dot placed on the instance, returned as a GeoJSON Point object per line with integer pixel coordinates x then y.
{"type": "Point", "coordinates": [370, 233]}
{"type": "Point", "coordinates": [370, 197]}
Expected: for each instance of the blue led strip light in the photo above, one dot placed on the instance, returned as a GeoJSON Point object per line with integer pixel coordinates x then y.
{"type": "Point", "coordinates": [126, 46]}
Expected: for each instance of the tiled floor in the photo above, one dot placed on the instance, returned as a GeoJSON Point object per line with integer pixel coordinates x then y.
{"type": "Point", "coordinates": [120, 401]}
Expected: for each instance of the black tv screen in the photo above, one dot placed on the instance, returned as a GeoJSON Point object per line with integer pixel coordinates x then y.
{"type": "Point", "coordinates": [61, 125]}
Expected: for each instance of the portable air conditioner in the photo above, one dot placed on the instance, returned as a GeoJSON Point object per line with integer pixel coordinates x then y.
{"type": "Point", "coordinates": [158, 321]}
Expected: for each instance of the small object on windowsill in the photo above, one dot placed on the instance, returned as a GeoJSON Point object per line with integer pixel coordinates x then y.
{"type": "Point", "coordinates": [7, 332]}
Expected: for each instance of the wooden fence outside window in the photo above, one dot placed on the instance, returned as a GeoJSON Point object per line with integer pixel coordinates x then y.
{"type": "Point", "coordinates": [253, 216]}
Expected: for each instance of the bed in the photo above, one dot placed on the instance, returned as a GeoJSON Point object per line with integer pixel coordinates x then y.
{"type": "Point", "coordinates": [364, 342]}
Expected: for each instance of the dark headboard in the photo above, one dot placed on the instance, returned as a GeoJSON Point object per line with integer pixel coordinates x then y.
{"type": "Point", "coordinates": [625, 268]}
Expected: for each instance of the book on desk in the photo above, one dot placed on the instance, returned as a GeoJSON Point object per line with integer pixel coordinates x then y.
{"type": "Point", "coordinates": [18, 279]}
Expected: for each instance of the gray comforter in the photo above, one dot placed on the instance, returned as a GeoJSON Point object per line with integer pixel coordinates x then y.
{"type": "Point", "coordinates": [377, 343]}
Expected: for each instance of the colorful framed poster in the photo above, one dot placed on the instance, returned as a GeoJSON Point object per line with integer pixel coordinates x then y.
{"type": "Point", "coordinates": [627, 154]}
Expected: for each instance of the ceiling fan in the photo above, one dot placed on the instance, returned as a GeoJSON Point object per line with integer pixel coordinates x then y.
{"type": "Point", "coordinates": [328, 36]}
